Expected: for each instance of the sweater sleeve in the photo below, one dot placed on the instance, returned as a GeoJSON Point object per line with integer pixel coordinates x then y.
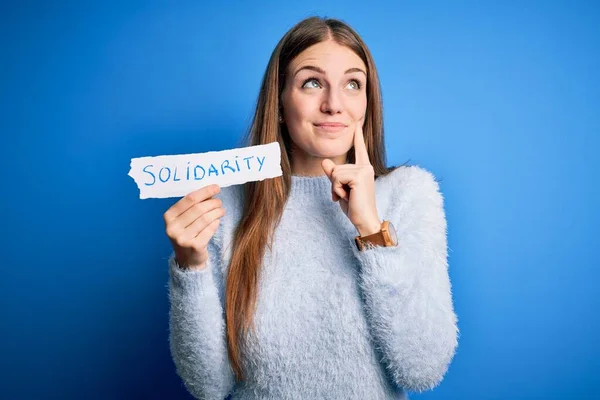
{"type": "Point", "coordinates": [407, 290]}
{"type": "Point", "coordinates": [197, 328]}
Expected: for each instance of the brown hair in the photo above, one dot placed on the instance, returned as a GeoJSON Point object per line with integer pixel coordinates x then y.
{"type": "Point", "coordinates": [264, 200]}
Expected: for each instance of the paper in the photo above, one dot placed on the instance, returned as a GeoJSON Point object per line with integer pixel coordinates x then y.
{"type": "Point", "coordinates": [178, 175]}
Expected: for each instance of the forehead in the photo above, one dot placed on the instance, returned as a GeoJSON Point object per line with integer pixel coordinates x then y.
{"type": "Point", "coordinates": [329, 56]}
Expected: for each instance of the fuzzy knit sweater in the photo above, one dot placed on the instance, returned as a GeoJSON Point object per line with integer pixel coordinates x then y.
{"type": "Point", "coordinates": [331, 322]}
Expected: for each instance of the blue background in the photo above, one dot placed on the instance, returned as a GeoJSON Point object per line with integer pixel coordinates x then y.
{"type": "Point", "coordinates": [500, 100]}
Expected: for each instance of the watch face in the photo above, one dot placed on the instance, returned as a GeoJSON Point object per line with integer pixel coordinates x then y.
{"type": "Point", "coordinates": [392, 233]}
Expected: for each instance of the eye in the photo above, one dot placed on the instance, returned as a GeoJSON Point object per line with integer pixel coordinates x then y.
{"type": "Point", "coordinates": [354, 84]}
{"type": "Point", "coordinates": [311, 83]}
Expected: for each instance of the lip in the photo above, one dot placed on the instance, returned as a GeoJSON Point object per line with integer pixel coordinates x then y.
{"type": "Point", "coordinates": [330, 126]}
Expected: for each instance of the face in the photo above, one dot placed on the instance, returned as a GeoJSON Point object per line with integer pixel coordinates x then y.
{"type": "Point", "coordinates": [323, 99]}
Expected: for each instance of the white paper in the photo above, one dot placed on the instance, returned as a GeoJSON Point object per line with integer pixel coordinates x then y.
{"type": "Point", "coordinates": [178, 175]}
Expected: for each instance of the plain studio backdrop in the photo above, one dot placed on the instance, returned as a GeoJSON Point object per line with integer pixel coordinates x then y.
{"type": "Point", "coordinates": [500, 100]}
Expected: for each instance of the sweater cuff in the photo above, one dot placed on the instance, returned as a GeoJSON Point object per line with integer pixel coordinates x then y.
{"type": "Point", "coordinates": [192, 281]}
{"type": "Point", "coordinates": [382, 261]}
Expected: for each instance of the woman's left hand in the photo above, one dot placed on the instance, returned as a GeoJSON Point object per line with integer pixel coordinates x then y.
{"type": "Point", "coordinates": [353, 185]}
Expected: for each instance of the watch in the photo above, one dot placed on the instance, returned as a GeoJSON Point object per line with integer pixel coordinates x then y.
{"type": "Point", "coordinates": [386, 237]}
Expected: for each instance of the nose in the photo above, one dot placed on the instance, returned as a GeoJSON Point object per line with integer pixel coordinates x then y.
{"type": "Point", "coordinates": [332, 102]}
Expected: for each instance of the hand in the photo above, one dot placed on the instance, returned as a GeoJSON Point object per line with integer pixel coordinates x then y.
{"type": "Point", "coordinates": [353, 185]}
{"type": "Point", "coordinates": [191, 223]}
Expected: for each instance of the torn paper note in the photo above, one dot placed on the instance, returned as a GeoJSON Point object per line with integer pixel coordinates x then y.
{"type": "Point", "coordinates": [178, 175]}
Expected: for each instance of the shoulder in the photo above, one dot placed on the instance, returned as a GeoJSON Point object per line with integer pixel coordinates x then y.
{"type": "Point", "coordinates": [412, 186]}
{"type": "Point", "coordinates": [409, 179]}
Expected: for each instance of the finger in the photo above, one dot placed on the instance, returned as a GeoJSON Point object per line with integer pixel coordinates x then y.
{"type": "Point", "coordinates": [197, 210]}
{"type": "Point", "coordinates": [201, 223]}
{"type": "Point", "coordinates": [201, 240]}
{"type": "Point", "coordinates": [339, 185]}
{"type": "Point", "coordinates": [327, 166]}
{"type": "Point", "coordinates": [189, 200]}
{"type": "Point", "coordinates": [337, 191]}
{"type": "Point", "coordinates": [335, 197]}
{"type": "Point", "coordinates": [177, 225]}
{"type": "Point", "coordinates": [360, 148]}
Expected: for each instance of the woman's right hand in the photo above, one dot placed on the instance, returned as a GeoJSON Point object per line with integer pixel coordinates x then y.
{"type": "Point", "coordinates": [191, 223]}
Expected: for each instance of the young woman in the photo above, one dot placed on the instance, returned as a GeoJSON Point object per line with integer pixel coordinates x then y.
{"type": "Point", "coordinates": [330, 281]}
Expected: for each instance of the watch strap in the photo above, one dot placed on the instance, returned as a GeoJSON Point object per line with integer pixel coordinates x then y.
{"type": "Point", "coordinates": [375, 239]}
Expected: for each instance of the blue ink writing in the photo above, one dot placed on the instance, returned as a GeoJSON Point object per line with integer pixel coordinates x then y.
{"type": "Point", "coordinates": [213, 169]}
{"type": "Point", "coordinates": [170, 173]}
{"type": "Point", "coordinates": [260, 162]}
{"type": "Point", "coordinates": [151, 174]}
{"type": "Point", "coordinates": [196, 172]}
{"type": "Point", "coordinates": [225, 164]}
{"type": "Point", "coordinates": [160, 174]}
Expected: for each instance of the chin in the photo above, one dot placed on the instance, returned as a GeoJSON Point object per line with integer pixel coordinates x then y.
{"type": "Point", "coordinates": [329, 152]}
{"type": "Point", "coordinates": [332, 148]}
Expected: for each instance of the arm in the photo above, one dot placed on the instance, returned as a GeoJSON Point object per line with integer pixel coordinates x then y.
{"type": "Point", "coordinates": [407, 289]}
{"type": "Point", "coordinates": [197, 328]}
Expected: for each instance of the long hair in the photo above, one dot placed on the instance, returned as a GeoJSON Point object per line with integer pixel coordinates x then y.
{"type": "Point", "coordinates": [264, 201]}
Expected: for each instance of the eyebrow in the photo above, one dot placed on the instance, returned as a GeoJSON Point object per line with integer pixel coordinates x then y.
{"type": "Point", "coordinates": [319, 70]}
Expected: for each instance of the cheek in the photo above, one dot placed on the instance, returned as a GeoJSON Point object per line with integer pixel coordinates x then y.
{"type": "Point", "coordinates": [358, 108]}
{"type": "Point", "coordinates": [301, 107]}
{"type": "Point", "coordinates": [295, 113]}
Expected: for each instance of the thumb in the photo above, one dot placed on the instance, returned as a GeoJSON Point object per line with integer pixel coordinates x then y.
{"type": "Point", "coordinates": [327, 166]}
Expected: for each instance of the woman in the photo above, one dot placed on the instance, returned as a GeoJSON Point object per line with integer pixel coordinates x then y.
{"type": "Point", "coordinates": [299, 286]}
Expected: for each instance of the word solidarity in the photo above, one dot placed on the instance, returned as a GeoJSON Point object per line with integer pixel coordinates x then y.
{"type": "Point", "coordinates": [177, 175]}
{"type": "Point", "coordinates": [198, 172]}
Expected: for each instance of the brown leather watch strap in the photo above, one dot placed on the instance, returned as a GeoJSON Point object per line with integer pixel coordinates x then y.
{"type": "Point", "coordinates": [376, 239]}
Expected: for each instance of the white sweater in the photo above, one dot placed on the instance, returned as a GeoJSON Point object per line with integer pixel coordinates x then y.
{"type": "Point", "coordinates": [331, 321]}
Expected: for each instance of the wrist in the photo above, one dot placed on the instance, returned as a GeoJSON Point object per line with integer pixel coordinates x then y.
{"type": "Point", "coordinates": [370, 228]}
{"type": "Point", "coordinates": [195, 267]}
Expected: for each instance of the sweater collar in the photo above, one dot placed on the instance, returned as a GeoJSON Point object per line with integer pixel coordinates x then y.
{"type": "Point", "coordinates": [315, 187]}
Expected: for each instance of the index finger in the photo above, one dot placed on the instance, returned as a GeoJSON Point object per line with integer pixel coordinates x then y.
{"type": "Point", "coordinates": [189, 200]}
{"type": "Point", "coordinates": [360, 148]}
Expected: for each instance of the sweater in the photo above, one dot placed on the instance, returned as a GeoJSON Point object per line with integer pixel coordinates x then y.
{"type": "Point", "coordinates": [332, 322]}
